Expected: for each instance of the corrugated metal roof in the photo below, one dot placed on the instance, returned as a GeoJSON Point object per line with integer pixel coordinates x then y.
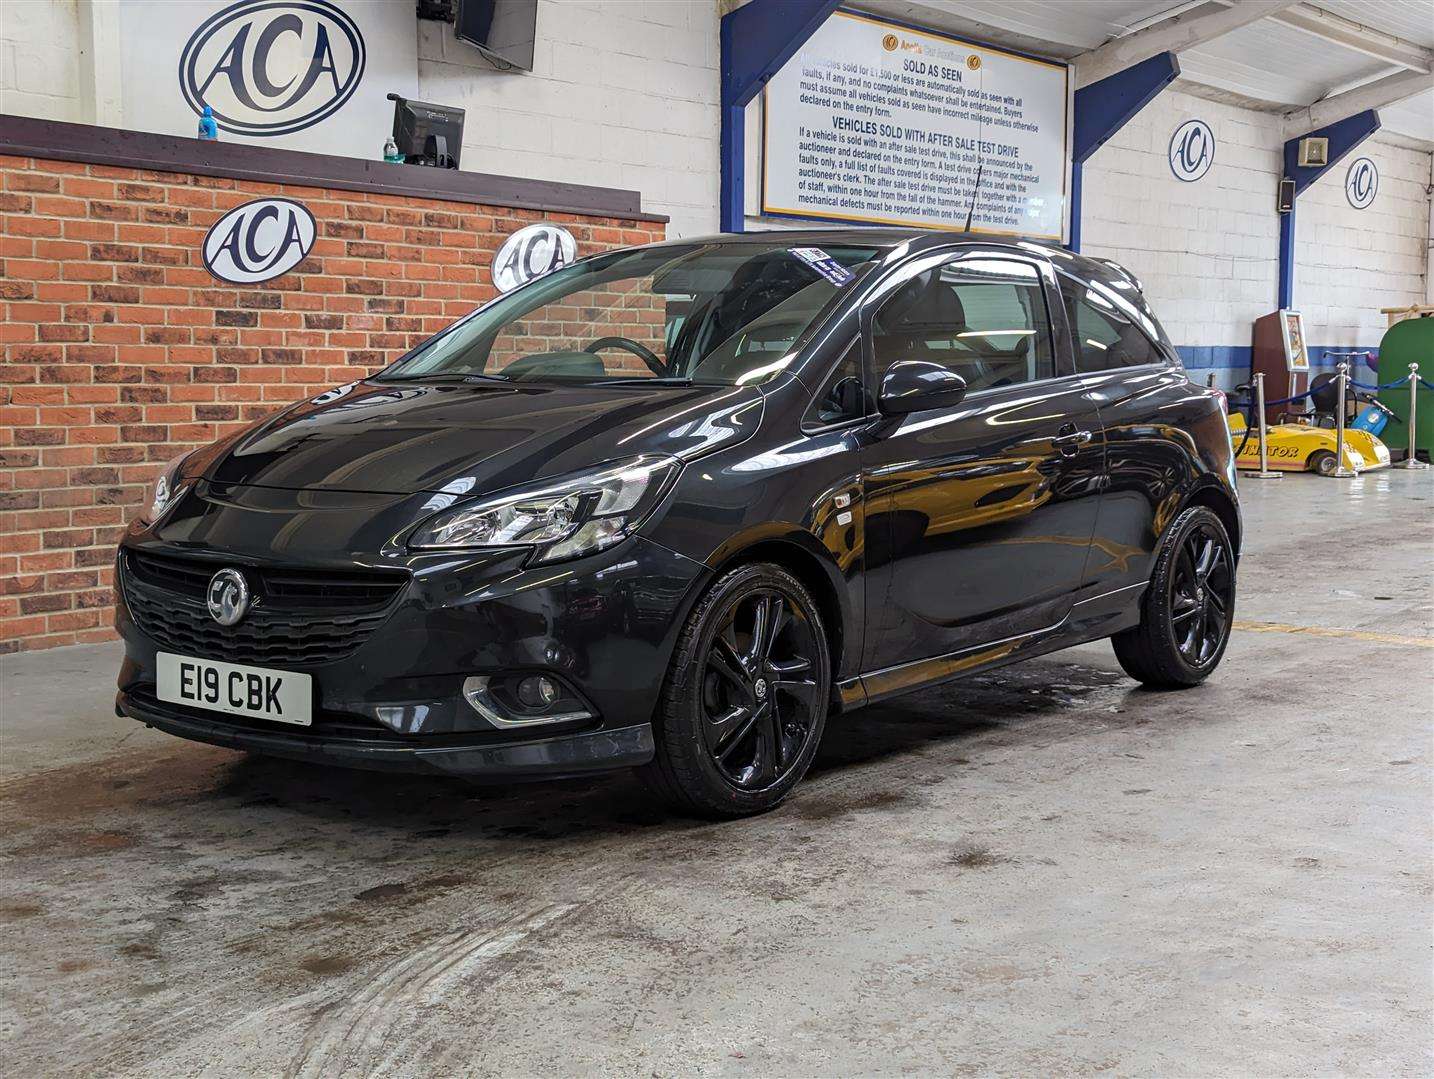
{"type": "Point", "coordinates": [1412, 20]}
{"type": "Point", "coordinates": [1268, 63]}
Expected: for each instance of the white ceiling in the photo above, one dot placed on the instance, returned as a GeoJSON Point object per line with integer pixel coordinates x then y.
{"type": "Point", "coordinates": [1265, 64]}
{"type": "Point", "coordinates": [1412, 20]}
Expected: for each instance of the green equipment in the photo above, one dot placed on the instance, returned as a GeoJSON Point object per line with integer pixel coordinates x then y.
{"type": "Point", "coordinates": [1406, 342]}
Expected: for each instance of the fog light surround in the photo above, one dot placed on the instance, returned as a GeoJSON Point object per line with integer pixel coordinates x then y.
{"type": "Point", "coordinates": [525, 700]}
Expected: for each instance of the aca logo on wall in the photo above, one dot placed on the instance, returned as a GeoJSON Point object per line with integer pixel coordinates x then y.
{"type": "Point", "coordinates": [1192, 150]}
{"type": "Point", "coordinates": [272, 67]}
{"type": "Point", "coordinates": [532, 252]}
{"type": "Point", "coordinates": [259, 241]}
{"type": "Point", "coordinates": [1361, 183]}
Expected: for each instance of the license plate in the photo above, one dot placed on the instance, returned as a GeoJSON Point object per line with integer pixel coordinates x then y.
{"type": "Point", "coordinates": [256, 692]}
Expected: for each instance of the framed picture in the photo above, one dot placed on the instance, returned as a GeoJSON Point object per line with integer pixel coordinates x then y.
{"type": "Point", "coordinates": [1292, 330]}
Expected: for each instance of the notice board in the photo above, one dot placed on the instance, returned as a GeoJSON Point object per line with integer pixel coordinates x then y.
{"type": "Point", "coordinates": [879, 123]}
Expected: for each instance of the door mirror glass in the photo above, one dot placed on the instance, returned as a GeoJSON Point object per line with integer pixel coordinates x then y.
{"type": "Point", "coordinates": [918, 385]}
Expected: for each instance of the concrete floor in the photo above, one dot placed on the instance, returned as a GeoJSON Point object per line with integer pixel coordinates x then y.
{"type": "Point", "coordinates": [1044, 870]}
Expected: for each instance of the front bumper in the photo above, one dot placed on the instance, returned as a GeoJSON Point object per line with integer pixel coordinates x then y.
{"type": "Point", "coordinates": [536, 758]}
{"type": "Point", "coordinates": [605, 625]}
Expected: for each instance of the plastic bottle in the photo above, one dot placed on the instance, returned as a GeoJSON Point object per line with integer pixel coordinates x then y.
{"type": "Point", "coordinates": [390, 152]}
{"type": "Point", "coordinates": [208, 129]}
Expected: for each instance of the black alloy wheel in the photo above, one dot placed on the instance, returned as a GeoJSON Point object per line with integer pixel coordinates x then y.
{"type": "Point", "coordinates": [746, 699]}
{"type": "Point", "coordinates": [1202, 593]}
{"type": "Point", "coordinates": [1188, 609]}
{"type": "Point", "coordinates": [759, 696]}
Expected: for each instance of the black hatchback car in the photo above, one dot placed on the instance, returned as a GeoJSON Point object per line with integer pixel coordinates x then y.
{"type": "Point", "coordinates": [674, 506]}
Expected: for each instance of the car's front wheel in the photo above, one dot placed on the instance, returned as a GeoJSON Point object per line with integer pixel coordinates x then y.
{"type": "Point", "coordinates": [745, 700]}
{"type": "Point", "coordinates": [1187, 610]}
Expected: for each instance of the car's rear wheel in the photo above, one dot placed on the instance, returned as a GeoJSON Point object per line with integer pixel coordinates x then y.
{"type": "Point", "coordinates": [1188, 609]}
{"type": "Point", "coordinates": [1322, 461]}
{"type": "Point", "coordinates": [745, 700]}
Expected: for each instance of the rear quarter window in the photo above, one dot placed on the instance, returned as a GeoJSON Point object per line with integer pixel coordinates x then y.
{"type": "Point", "coordinates": [1110, 330]}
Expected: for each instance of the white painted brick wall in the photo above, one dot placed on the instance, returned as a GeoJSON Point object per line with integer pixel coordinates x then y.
{"type": "Point", "coordinates": [1349, 263]}
{"type": "Point", "coordinates": [39, 59]}
{"type": "Point", "coordinates": [623, 93]}
{"type": "Point", "coordinates": [1207, 251]}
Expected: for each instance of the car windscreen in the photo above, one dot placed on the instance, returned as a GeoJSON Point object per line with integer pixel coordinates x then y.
{"type": "Point", "coordinates": [725, 313]}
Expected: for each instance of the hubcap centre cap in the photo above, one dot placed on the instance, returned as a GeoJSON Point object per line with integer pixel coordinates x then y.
{"type": "Point", "coordinates": [760, 689]}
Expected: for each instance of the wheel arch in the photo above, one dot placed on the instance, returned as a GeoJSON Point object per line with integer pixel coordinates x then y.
{"type": "Point", "coordinates": [1219, 501]}
{"type": "Point", "coordinates": [818, 574]}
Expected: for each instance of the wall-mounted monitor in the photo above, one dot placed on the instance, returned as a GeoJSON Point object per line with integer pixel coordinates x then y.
{"type": "Point", "coordinates": [427, 134]}
{"type": "Point", "coordinates": [502, 30]}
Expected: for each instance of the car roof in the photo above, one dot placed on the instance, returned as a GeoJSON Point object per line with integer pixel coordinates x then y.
{"type": "Point", "coordinates": [886, 238]}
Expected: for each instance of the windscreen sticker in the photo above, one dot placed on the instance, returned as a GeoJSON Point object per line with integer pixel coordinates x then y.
{"type": "Point", "coordinates": [824, 264]}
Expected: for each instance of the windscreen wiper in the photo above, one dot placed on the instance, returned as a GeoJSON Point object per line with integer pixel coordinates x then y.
{"type": "Point", "coordinates": [645, 380]}
{"type": "Point", "coordinates": [446, 376]}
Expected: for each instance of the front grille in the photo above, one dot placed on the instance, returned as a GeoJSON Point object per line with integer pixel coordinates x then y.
{"type": "Point", "coordinates": [298, 618]}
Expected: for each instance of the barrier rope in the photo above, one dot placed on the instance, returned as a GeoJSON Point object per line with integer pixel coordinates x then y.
{"type": "Point", "coordinates": [1287, 400]}
{"type": "Point", "coordinates": [1383, 386]}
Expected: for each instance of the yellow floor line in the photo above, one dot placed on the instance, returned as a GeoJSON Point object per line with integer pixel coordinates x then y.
{"type": "Point", "coordinates": [1325, 631]}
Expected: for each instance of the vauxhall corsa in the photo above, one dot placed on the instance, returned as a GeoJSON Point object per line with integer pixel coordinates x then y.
{"type": "Point", "coordinates": [675, 507]}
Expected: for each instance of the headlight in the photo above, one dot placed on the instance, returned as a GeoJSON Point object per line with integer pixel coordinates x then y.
{"type": "Point", "coordinates": [165, 490]}
{"type": "Point", "coordinates": [565, 518]}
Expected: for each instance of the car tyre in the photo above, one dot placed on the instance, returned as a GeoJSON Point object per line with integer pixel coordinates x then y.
{"type": "Point", "coordinates": [1187, 610]}
{"type": "Point", "coordinates": [745, 700]}
{"type": "Point", "coordinates": [1323, 462]}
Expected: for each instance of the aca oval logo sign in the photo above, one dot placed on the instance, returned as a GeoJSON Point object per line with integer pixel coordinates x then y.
{"type": "Point", "coordinates": [272, 67]}
{"type": "Point", "coordinates": [1361, 183]}
{"type": "Point", "coordinates": [530, 253]}
{"type": "Point", "coordinates": [259, 241]}
{"type": "Point", "coordinates": [1192, 150]}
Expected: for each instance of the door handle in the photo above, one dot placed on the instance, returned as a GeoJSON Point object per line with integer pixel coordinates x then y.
{"type": "Point", "coordinates": [1069, 442]}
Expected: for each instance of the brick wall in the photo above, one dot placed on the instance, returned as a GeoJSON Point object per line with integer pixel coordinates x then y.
{"type": "Point", "coordinates": [120, 351]}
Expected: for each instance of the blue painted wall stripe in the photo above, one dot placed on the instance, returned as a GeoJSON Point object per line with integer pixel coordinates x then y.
{"type": "Point", "coordinates": [1204, 357]}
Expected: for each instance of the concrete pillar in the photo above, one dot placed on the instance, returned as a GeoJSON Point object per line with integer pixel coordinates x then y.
{"type": "Point", "coordinates": [101, 98]}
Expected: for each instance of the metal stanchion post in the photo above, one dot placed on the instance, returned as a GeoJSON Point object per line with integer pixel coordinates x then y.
{"type": "Point", "coordinates": [1412, 461]}
{"type": "Point", "coordinates": [1264, 473]}
{"type": "Point", "coordinates": [1340, 472]}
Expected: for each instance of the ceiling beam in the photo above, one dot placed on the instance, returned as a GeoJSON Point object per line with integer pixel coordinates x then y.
{"type": "Point", "coordinates": [1184, 30]}
{"type": "Point", "coordinates": [1351, 35]}
{"type": "Point", "coordinates": [1374, 95]}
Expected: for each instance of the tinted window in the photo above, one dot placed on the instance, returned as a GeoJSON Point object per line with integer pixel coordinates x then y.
{"type": "Point", "coordinates": [844, 396]}
{"type": "Point", "coordinates": [985, 319]}
{"type": "Point", "coordinates": [1104, 337]}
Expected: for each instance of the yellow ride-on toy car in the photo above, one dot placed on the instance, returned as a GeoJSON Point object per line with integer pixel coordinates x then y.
{"type": "Point", "coordinates": [1301, 447]}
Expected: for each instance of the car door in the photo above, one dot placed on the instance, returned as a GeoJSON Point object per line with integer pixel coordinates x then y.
{"type": "Point", "coordinates": [979, 517]}
{"type": "Point", "coordinates": [1148, 413]}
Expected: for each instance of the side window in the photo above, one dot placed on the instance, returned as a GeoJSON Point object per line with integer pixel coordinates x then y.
{"type": "Point", "coordinates": [843, 397]}
{"type": "Point", "coordinates": [1103, 337]}
{"type": "Point", "coordinates": [984, 318]}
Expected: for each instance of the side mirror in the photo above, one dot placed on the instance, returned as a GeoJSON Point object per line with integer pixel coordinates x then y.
{"type": "Point", "coordinates": [917, 385]}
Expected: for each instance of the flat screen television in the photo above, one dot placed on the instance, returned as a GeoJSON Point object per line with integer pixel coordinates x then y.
{"type": "Point", "coordinates": [502, 30]}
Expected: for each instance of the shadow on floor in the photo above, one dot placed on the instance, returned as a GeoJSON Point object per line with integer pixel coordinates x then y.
{"type": "Point", "coordinates": [218, 784]}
